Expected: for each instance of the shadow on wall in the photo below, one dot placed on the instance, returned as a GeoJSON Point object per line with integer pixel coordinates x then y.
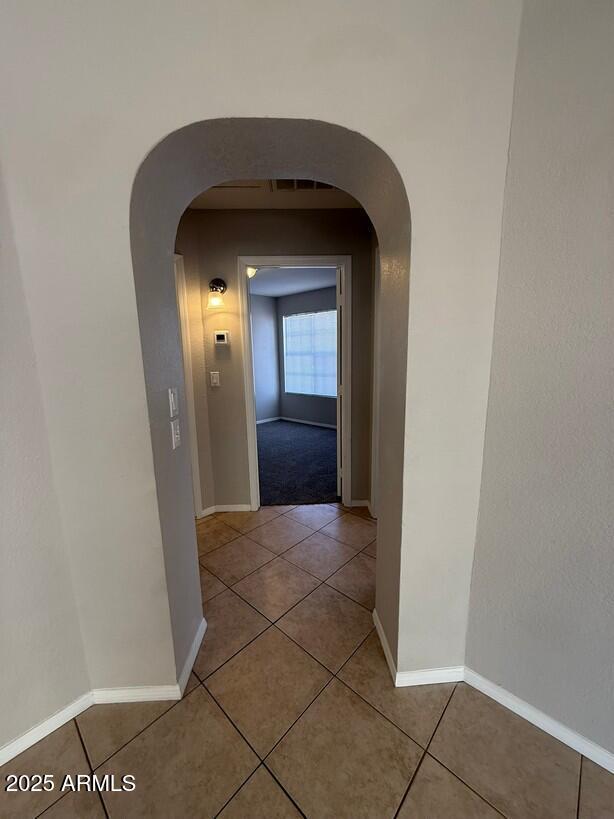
{"type": "Point", "coordinates": [180, 167]}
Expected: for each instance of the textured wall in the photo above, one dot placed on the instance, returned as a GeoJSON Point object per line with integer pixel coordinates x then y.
{"type": "Point", "coordinates": [266, 356]}
{"type": "Point", "coordinates": [542, 602]}
{"type": "Point", "coordinates": [430, 84]}
{"type": "Point", "coordinates": [43, 664]}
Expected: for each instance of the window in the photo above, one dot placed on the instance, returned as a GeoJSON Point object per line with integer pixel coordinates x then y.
{"type": "Point", "coordinates": [310, 353]}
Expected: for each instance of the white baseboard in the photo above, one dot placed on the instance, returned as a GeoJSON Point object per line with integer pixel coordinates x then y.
{"type": "Point", "coordinates": [137, 693]}
{"type": "Point", "coordinates": [224, 507]}
{"type": "Point", "coordinates": [47, 726]}
{"type": "Point", "coordinates": [191, 658]}
{"type": "Point", "coordinates": [385, 647]}
{"type": "Point", "coordinates": [566, 735]}
{"type": "Point", "coordinates": [427, 676]}
{"type": "Point", "coordinates": [142, 693]}
{"type": "Point", "coordinates": [205, 512]}
{"type": "Point", "coordinates": [424, 676]}
{"type": "Point", "coordinates": [309, 423]}
{"type": "Point", "coordinates": [268, 420]}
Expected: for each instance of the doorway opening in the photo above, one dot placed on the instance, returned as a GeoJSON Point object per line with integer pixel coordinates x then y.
{"type": "Point", "coordinates": [297, 349]}
{"type": "Point", "coordinates": [199, 157]}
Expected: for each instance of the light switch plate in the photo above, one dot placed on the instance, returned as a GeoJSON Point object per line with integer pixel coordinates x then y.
{"type": "Point", "coordinates": [173, 402]}
{"type": "Point", "coordinates": [221, 337]}
{"type": "Point", "coordinates": [175, 433]}
{"type": "Point", "coordinates": [215, 379]}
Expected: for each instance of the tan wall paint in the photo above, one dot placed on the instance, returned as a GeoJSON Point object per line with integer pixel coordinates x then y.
{"type": "Point", "coordinates": [219, 238]}
{"type": "Point", "coordinates": [434, 92]}
{"type": "Point", "coordinates": [542, 603]}
{"type": "Point", "coordinates": [42, 665]}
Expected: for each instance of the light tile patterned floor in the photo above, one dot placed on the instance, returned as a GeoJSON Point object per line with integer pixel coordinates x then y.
{"type": "Point", "coordinates": [291, 711]}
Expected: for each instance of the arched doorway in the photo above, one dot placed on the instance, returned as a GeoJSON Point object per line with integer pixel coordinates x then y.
{"type": "Point", "coordinates": [181, 166]}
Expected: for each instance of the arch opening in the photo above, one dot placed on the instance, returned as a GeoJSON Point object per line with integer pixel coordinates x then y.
{"type": "Point", "coordinates": [179, 168]}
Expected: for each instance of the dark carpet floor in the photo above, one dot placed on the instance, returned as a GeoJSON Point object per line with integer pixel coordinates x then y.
{"type": "Point", "coordinates": [297, 463]}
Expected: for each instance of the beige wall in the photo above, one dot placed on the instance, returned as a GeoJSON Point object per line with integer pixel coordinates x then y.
{"type": "Point", "coordinates": [219, 238]}
{"type": "Point", "coordinates": [434, 93]}
{"type": "Point", "coordinates": [39, 623]}
{"type": "Point", "coordinates": [542, 605]}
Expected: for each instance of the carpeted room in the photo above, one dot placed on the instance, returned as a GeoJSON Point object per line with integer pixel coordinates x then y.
{"type": "Point", "coordinates": [294, 332]}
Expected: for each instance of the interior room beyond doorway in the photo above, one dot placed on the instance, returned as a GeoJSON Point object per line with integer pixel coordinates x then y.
{"type": "Point", "coordinates": [294, 332]}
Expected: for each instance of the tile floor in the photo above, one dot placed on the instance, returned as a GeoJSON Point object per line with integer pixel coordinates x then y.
{"type": "Point", "coordinates": [291, 712]}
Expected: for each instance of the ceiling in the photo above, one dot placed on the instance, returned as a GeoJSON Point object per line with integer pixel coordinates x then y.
{"type": "Point", "coordinates": [272, 194]}
{"type": "Point", "coordinates": [284, 281]}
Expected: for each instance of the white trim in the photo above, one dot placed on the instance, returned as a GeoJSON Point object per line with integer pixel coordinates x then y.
{"type": "Point", "coordinates": [566, 735]}
{"type": "Point", "coordinates": [40, 731]}
{"type": "Point", "coordinates": [191, 658]}
{"type": "Point", "coordinates": [136, 693]}
{"type": "Point", "coordinates": [233, 507]}
{"type": "Point", "coordinates": [385, 647]}
{"type": "Point", "coordinates": [344, 265]}
{"type": "Point", "coordinates": [248, 382]}
{"type": "Point", "coordinates": [181, 291]}
{"type": "Point", "coordinates": [427, 676]}
{"type": "Point", "coordinates": [268, 420]}
{"type": "Point", "coordinates": [309, 423]}
{"type": "Point", "coordinates": [344, 377]}
{"type": "Point", "coordinates": [224, 507]}
{"type": "Point", "coordinates": [204, 513]}
{"type": "Point", "coordinates": [98, 695]}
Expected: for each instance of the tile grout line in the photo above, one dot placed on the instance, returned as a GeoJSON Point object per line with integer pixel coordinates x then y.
{"type": "Point", "coordinates": [87, 756]}
{"type": "Point", "coordinates": [333, 677]}
{"type": "Point", "coordinates": [320, 583]}
{"type": "Point", "coordinates": [201, 682]}
{"type": "Point", "coordinates": [285, 514]}
{"type": "Point", "coordinates": [424, 753]}
{"type": "Point", "coordinates": [455, 775]}
{"type": "Point", "coordinates": [251, 776]}
{"type": "Point", "coordinates": [89, 764]}
{"type": "Point", "coordinates": [273, 624]}
{"type": "Point", "coordinates": [579, 787]}
{"type": "Point", "coordinates": [174, 704]}
{"type": "Point", "coordinates": [235, 792]}
{"type": "Point", "coordinates": [234, 725]}
{"type": "Point", "coordinates": [275, 555]}
{"type": "Point", "coordinates": [296, 805]}
{"type": "Point", "coordinates": [260, 758]}
{"type": "Point", "coordinates": [338, 569]}
{"type": "Point", "coordinates": [468, 786]}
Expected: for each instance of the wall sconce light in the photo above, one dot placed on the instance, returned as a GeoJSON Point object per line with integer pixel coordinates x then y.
{"type": "Point", "coordinates": [217, 288]}
{"type": "Point", "coordinates": [251, 272]}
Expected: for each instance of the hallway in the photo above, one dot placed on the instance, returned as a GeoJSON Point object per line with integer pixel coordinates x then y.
{"type": "Point", "coordinates": [291, 711]}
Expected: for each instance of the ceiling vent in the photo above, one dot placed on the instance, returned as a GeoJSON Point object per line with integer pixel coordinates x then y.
{"type": "Point", "coordinates": [299, 185]}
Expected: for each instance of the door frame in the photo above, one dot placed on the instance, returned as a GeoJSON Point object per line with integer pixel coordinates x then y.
{"type": "Point", "coordinates": [344, 298]}
{"type": "Point", "coordinates": [181, 290]}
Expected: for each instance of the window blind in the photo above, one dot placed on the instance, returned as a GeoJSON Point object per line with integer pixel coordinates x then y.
{"type": "Point", "coordinates": [310, 353]}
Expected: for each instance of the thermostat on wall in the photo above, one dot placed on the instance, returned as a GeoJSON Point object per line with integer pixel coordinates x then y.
{"type": "Point", "coordinates": [221, 337]}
